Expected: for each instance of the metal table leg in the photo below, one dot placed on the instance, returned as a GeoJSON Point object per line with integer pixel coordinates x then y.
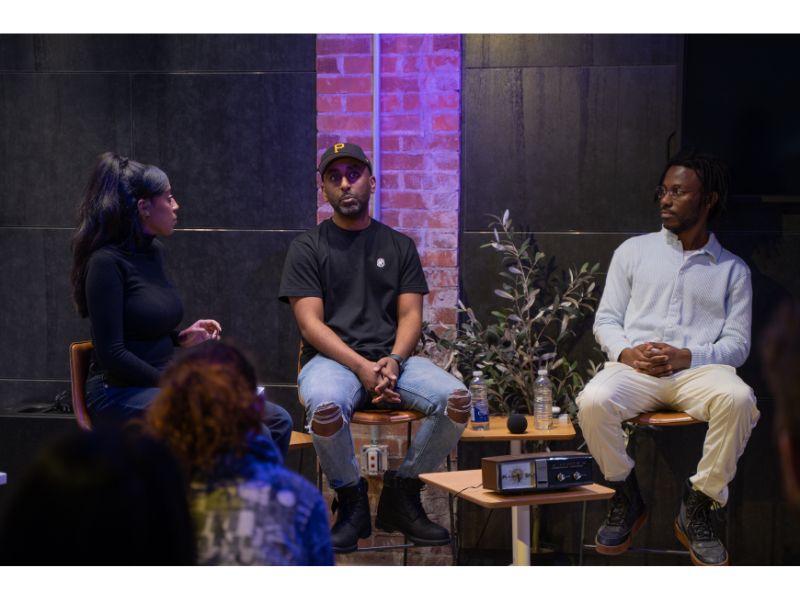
{"type": "Point", "coordinates": [521, 535]}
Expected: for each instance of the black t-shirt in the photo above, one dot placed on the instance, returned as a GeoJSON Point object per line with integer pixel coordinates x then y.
{"type": "Point", "coordinates": [133, 310]}
{"type": "Point", "coordinates": [358, 275]}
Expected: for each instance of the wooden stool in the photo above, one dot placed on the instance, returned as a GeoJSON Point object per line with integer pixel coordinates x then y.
{"type": "Point", "coordinates": [375, 419]}
{"type": "Point", "coordinates": [667, 418]}
{"type": "Point", "coordinates": [653, 420]}
{"type": "Point", "coordinates": [79, 355]}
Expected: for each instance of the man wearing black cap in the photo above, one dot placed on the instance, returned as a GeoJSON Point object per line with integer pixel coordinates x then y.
{"type": "Point", "coordinates": [355, 287]}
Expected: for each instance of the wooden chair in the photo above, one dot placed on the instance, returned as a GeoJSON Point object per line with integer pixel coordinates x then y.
{"type": "Point", "coordinates": [79, 356]}
{"type": "Point", "coordinates": [376, 419]}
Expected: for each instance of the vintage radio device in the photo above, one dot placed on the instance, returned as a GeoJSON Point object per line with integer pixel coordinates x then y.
{"type": "Point", "coordinates": [517, 473]}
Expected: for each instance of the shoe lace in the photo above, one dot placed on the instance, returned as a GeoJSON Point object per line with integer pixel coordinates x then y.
{"type": "Point", "coordinates": [698, 513]}
{"type": "Point", "coordinates": [617, 510]}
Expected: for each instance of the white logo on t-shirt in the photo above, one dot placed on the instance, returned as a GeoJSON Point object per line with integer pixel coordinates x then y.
{"type": "Point", "coordinates": [381, 263]}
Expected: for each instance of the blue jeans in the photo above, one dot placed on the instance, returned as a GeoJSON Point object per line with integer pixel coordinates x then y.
{"type": "Point", "coordinates": [279, 423]}
{"type": "Point", "coordinates": [108, 404]}
{"type": "Point", "coordinates": [422, 386]}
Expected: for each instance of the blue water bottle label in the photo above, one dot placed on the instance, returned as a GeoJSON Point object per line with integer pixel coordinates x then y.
{"type": "Point", "coordinates": [480, 414]}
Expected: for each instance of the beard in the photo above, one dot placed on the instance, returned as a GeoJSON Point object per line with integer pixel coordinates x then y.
{"type": "Point", "coordinates": [351, 206]}
{"type": "Point", "coordinates": [677, 225]}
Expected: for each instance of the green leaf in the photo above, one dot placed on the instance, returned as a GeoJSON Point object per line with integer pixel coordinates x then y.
{"type": "Point", "coordinates": [564, 323]}
{"type": "Point", "coordinates": [504, 294]}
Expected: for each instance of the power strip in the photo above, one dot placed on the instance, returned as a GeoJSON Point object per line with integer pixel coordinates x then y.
{"type": "Point", "coordinates": [374, 459]}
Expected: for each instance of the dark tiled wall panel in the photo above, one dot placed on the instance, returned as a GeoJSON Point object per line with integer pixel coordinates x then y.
{"type": "Point", "coordinates": [493, 51]}
{"type": "Point", "coordinates": [51, 128]}
{"type": "Point", "coordinates": [157, 53]}
{"type": "Point", "coordinates": [239, 148]}
{"type": "Point", "coordinates": [568, 148]}
{"type": "Point", "coordinates": [37, 313]}
{"type": "Point", "coordinates": [232, 121]}
{"type": "Point", "coordinates": [233, 277]}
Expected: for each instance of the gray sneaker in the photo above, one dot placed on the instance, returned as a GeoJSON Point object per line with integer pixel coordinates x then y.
{"type": "Point", "coordinates": [693, 529]}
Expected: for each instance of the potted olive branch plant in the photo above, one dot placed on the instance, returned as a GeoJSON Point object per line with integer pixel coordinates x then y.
{"type": "Point", "coordinates": [540, 312]}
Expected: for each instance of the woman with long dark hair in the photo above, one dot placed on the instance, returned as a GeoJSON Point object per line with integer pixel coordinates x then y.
{"type": "Point", "coordinates": [119, 283]}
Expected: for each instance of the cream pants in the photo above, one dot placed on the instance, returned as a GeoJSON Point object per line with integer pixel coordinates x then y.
{"type": "Point", "coordinates": [711, 393]}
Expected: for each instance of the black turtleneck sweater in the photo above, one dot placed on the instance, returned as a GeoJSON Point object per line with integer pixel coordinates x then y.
{"type": "Point", "coordinates": [134, 312]}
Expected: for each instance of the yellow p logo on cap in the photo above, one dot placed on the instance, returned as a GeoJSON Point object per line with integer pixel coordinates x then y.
{"type": "Point", "coordinates": [337, 147]}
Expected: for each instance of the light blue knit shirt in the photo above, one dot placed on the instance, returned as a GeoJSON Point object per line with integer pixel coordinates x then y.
{"type": "Point", "coordinates": [654, 293]}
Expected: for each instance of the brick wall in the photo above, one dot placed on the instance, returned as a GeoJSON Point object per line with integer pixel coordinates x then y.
{"type": "Point", "coordinates": [420, 145]}
{"type": "Point", "coordinates": [420, 140]}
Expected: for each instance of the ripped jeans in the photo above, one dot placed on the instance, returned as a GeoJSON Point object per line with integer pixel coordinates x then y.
{"type": "Point", "coordinates": [422, 386]}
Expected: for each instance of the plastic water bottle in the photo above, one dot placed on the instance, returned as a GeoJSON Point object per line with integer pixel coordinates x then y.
{"type": "Point", "coordinates": [480, 401]}
{"type": "Point", "coordinates": [542, 401]}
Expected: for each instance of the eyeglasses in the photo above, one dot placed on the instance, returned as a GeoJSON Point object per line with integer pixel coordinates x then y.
{"type": "Point", "coordinates": [673, 192]}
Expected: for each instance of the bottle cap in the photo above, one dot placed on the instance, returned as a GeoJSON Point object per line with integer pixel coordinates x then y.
{"type": "Point", "coordinates": [541, 372]}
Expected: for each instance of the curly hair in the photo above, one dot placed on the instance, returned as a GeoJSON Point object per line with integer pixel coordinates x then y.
{"type": "Point", "coordinates": [207, 407]}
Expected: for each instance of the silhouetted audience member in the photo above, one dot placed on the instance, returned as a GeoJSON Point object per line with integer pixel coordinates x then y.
{"type": "Point", "coordinates": [108, 497]}
{"type": "Point", "coordinates": [248, 508]}
{"type": "Point", "coordinates": [780, 357]}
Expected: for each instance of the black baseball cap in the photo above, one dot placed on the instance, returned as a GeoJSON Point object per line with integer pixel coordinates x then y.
{"type": "Point", "coordinates": [343, 150]}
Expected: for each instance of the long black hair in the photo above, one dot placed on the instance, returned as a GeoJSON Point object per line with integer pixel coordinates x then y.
{"type": "Point", "coordinates": [712, 172]}
{"type": "Point", "coordinates": [108, 214]}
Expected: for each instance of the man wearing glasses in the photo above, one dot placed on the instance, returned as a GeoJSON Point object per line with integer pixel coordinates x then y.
{"type": "Point", "coordinates": [355, 287]}
{"type": "Point", "coordinates": [674, 321]}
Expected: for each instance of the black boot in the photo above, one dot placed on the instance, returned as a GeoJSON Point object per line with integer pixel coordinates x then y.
{"type": "Point", "coordinates": [400, 509]}
{"type": "Point", "coordinates": [693, 529]}
{"type": "Point", "coordinates": [351, 506]}
{"type": "Point", "coordinates": [626, 514]}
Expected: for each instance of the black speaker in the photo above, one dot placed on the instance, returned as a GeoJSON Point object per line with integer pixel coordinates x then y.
{"type": "Point", "coordinates": [517, 423]}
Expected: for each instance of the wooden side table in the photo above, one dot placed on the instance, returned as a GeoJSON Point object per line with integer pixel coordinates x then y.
{"type": "Point", "coordinates": [467, 485]}
{"type": "Point", "coordinates": [498, 432]}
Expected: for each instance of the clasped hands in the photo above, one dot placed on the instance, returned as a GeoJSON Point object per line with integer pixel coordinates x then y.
{"type": "Point", "coordinates": [201, 331]}
{"type": "Point", "coordinates": [380, 378]}
{"type": "Point", "coordinates": [656, 358]}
